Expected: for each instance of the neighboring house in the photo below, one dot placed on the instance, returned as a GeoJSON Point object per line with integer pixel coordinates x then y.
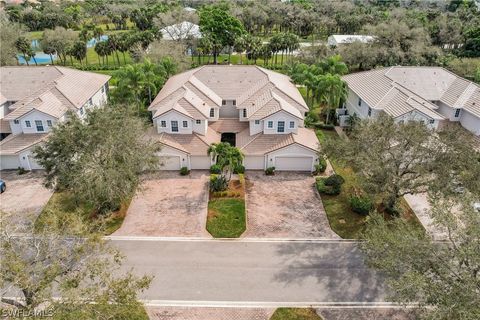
{"type": "Point", "coordinates": [181, 31]}
{"type": "Point", "coordinates": [338, 39]}
{"type": "Point", "coordinates": [257, 110]}
{"type": "Point", "coordinates": [432, 95]}
{"type": "Point", "coordinates": [34, 99]}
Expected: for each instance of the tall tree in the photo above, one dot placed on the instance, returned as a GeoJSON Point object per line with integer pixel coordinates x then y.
{"type": "Point", "coordinates": [220, 27]}
{"type": "Point", "coordinates": [11, 31]}
{"type": "Point", "coordinates": [61, 40]}
{"type": "Point", "coordinates": [66, 272]}
{"type": "Point", "coordinates": [23, 45]}
{"type": "Point", "coordinates": [391, 159]}
{"type": "Point", "coordinates": [98, 158]}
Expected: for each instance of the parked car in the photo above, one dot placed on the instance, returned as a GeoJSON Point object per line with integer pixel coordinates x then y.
{"type": "Point", "coordinates": [3, 186]}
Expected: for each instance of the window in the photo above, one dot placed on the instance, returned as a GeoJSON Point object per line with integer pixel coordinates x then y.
{"type": "Point", "coordinates": [457, 113]}
{"type": "Point", "coordinates": [103, 89]}
{"type": "Point", "coordinates": [16, 121]}
{"type": "Point", "coordinates": [163, 124]}
{"type": "Point", "coordinates": [257, 122]}
{"type": "Point", "coordinates": [28, 124]}
{"type": "Point", "coordinates": [174, 126]}
{"type": "Point", "coordinates": [432, 121]}
{"type": "Point", "coordinates": [292, 124]}
{"type": "Point", "coordinates": [369, 111]}
{"type": "Point", "coordinates": [212, 113]}
{"type": "Point", "coordinates": [281, 126]}
{"type": "Point", "coordinates": [39, 125]}
{"type": "Point", "coordinates": [185, 124]}
{"type": "Point", "coordinates": [244, 113]}
{"type": "Point", "coordinates": [49, 123]}
{"type": "Point", "coordinates": [270, 124]}
{"type": "Point", "coordinates": [224, 102]}
{"type": "Point", "coordinates": [81, 110]}
{"type": "Point", "coordinates": [90, 101]}
{"type": "Point", "coordinates": [198, 121]}
{"type": "Point", "coordinates": [359, 102]}
{"type": "Point", "coordinates": [234, 102]}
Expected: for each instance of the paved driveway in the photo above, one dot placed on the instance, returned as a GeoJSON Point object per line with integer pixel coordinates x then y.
{"type": "Point", "coordinates": [25, 193]}
{"type": "Point", "coordinates": [168, 205]}
{"type": "Point", "coordinates": [285, 205]}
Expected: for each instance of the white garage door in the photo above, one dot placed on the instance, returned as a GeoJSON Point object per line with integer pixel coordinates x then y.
{"type": "Point", "coordinates": [169, 162]}
{"type": "Point", "coordinates": [200, 162]}
{"type": "Point", "coordinates": [254, 162]}
{"type": "Point", "coordinates": [9, 162]}
{"type": "Point", "coordinates": [293, 163]}
{"type": "Point", "coordinates": [33, 163]}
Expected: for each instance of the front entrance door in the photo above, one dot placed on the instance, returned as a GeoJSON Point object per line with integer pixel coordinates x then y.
{"type": "Point", "coordinates": [228, 137]}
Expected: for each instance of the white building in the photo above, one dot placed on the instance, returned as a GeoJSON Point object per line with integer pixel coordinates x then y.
{"type": "Point", "coordinates": [34, 99]}
{"type": "Point", "coordinates": [432, 95]}
{"type": "Point", "coordinates": [259, 111]}
{"type": "Point", "coordinates": [338, 39]}
{"type": "Point", "coordinates": [181, 31]}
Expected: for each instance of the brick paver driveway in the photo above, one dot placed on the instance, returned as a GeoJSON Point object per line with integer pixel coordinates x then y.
{"type": "Point", "coordinates": [25, 193]}
{"type": "Point", "coordinates": [285, 205]}
{"type": "Point", "coordinates": [168, 205]}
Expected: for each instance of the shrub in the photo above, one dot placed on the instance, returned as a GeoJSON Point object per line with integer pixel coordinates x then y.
{"type": "Point", "coordinates": [218, 183]}
{"type": "Point", "coordinates": [323, 188]}
{"type": "Point", "coordinates": [184, 171]}
{"type": "Point", "coordinates": [215, 169]}
{"type": "Point", "coordinates": [321, 125]}
{"type": "Point", "coordinates": [270, 171]}
{"type": "Point", "coordinates": [361, 204]}
{"type": "Point", "coordinates": [321, 166]}
{"type": "Point", "coordinates": [239, 169]}
{"type": "Point", "coordinates": [335, 180]}
{"type": "Point", "coordinates": [21, 170]}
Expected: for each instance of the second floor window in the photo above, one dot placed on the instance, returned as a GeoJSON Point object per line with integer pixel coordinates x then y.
{"type": "Point", "coordinates": [359, 102]}
{"type": "Point", "coordinates": [174, 126]}
{"type": "Point", "coordinates": [457, 112]}
{"type": "Point", "coordinates": [28, 124]}
{"type": "Point", "coordinates": [185, 124]}
{"type": "Point", "coordinates": [432, 121]}
{"type": "Point", "coordinates": [224, 102]}
{"type": "Point", "coordinates": [257, 121]}
{"type": "Point", "coordinates": [292, 124]}
{"type": "Point", "coordinates": [49, 123]}
{"type": "Point", "coordinates": [281, 126]}
{"type": "Point", "coordinates": [163, 124]}
{"type": "Point", "coordinates": [198, 121]}
{"type": "Point", "coordinates": [369, 111]}
{"type": "Point", "coordinates": [270, 124]}
{"type": "Point", "coordinates": [244, 113]}
{"type": "Point", "coordinates": [212, 113]}
{"type": "Point", "coordinates": [39, 125]}
{"type": "Point", "coordinates": [16, 121]}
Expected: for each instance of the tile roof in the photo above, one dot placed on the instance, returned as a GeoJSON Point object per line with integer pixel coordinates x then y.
{"type": "Point", "coordinates": [51, 89]}
{"type": "Point", "coordinates": [228, 125]}
{"type": "Point", "coordinates": [13, 144]}
{"type": "Point", "coordinates": [5, 126]}
{"type": "Point", "coordinates": [207, 86]}
{"type": "Point", "coordinates": [399, 89]}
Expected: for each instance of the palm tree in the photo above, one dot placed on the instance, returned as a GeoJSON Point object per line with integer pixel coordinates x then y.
{"type": "Point", "coordinates": [84, 36]}
{"type": "Point", "coordinates": [333, 65]}
{"type": "Point", "coordinates": [331, 90]}
{"type": "Point", "coordinates": [23, 45]}
{"type": "Point", "coordinates": [226, 157]}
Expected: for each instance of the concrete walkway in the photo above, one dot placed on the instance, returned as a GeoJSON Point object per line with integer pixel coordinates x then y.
{"type": "Point", "coordinates": [420, 205]}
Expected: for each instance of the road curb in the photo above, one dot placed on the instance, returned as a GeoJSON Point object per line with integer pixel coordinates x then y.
{"type": "Point", "coordinates": [178, 239]}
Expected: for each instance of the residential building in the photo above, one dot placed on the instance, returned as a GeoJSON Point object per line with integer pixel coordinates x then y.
{"type": "Point", "coordinates": [181, 31]}
{"type": "Point", "coordinates": [432, 95]}
{"type": "Point", "coordinates": [258, 110]}
{"type": "Point", "coordinates": [34, 99]}
{"type": "Point", "coordinates": [338, 39]}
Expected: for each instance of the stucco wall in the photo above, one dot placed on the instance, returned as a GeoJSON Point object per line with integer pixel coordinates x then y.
{"type": "Point", "coordinates": [280, 116]}
{"type": "Point", "coordinates": [470, 122]}
{"type": "Point", "coordinates": [174, 116]}
{"type": "Point", "coordinates": [255, 128]}
{"type": "Point", "coordinates": [32, 116]}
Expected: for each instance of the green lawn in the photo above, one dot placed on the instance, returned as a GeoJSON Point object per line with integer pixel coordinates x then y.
{"type": "Point", "coordinates": [226, 217]}
{"type": "Point", "coordinates": [62, 204]}
{"type": "Point", "coordinates": [295, 314]}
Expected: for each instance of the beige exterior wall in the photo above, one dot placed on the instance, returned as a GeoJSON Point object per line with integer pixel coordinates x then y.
{"type": "Point", "coordinates": [174, 116]}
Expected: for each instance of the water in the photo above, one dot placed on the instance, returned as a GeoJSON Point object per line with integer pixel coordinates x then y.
{"type": "Point", "coordinates": [42, 58]}
{"type": "Point", "coordinates": [90, 43]}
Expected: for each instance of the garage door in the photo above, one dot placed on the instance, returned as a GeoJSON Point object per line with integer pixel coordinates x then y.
{"type": "Point", "coordinates": [254, 162]}
{"type": "Point", "coordinates": [33, 163]}
{"type": "Point", "coordinates": [200, 162]}
{"type": "Point", "coordinates": [9, 162]}
{"type": "Point", "coordinates": [293, 163]}
{"type": "Point", "coordinates": [169, 162]}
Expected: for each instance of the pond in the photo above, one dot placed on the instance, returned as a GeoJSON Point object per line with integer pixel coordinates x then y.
{"type": "Point", "coordinates": [42, 58]}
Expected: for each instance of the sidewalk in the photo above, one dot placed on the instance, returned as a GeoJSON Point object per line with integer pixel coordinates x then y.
{"type": "Point", "coordinates": [419, 204]}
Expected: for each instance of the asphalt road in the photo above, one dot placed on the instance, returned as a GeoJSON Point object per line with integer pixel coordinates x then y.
{"type": "Point", "coordinates": [253, 272]}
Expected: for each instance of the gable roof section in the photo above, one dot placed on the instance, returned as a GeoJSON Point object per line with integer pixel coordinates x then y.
{"type": "Point", "coordinates": [47, 103]}
{"type": "Point", "coordinates": [207, 86]}
{"type": "Point", "coordinates": [397, 89]}
{"type": "Point", "coordinates": [16, 143]}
